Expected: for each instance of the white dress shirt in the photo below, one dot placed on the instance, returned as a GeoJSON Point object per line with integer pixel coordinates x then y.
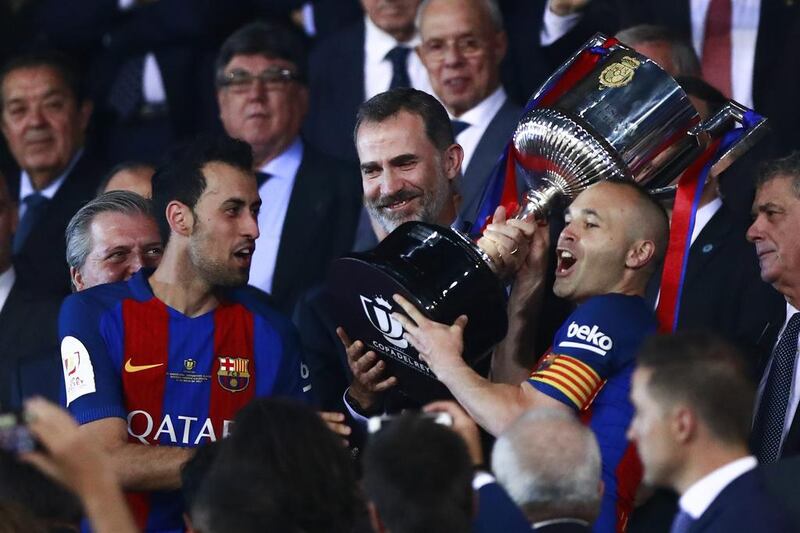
{"type": "Point", "coordinates": [378, 69]}
{"type": "Point", "coordinates": [794, 392]}
{"type": "Point", "coordinates": [26, 187]}
{"type": "Point", "coordinates": [478, 119]}
{"type": "Point", "coordinates": [745, 15]}
{"type": "Point", "coordinates": [275, 195]}
{"type": "Point", "coordinates": [7, 279]}
{"type": "Point", "coordinates": [703, 492]}
{"type": "Point", "coordinates": [704, 215]}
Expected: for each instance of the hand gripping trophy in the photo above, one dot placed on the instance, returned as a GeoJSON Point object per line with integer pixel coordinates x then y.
{"type": "Point", "coordinates": [608, 113]}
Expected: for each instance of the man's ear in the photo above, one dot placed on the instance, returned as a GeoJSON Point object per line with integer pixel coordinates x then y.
{"type": "Point", "coordinates": [77, 278]}
{"type": "Point", "coordinates": [683, 423]}
{"type": "Point", "coordinates": [640, 254]}
{"type": "Point", "coordinates": [180, 218]}
{"type": "Point", "coordinates": [453, 157]}
{"type": "Point", "coordinates": [85, 113]}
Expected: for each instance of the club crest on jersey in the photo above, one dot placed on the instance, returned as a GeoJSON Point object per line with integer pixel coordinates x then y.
{"type": "Point", "coordinates": [232, 374]}
{"type": "Point", "coordinates": [378, 311]}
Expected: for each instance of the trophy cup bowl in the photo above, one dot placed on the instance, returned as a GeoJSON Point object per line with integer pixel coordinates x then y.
{"type": "Point", "coordinates": [625, 119]}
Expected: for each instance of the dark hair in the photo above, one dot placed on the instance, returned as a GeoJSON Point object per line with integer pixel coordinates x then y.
{"type": "Point", "coordinates": [388, 104]}
{"type": "Point", "coordinates": [708, 374]}
{"type": "Point", "coordinates": [194, 471]}
{"type": "Point", "coordinates": [694, 86]}
{"type": "Point", "coordinates": [125, 165]}
{"type": "Point", "coordinates": [23, 485]}
{"type": "Point", "coordinates": [61, 63]}
{"type": "Point", "coordinates": [282, 469]}
{"type": "Point", "coordinates": [788, 166]}
{"type": "Point", "coordinates": [418, 475]}
{"type": "Point", "coordinates": [270, 39]}
{"type": "Point", "coordinates": [683, 55]}
{"type": "Point", "coordinates": [181, 176]}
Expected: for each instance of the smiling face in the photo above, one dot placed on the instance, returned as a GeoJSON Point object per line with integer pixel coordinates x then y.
{"type": "Point", "coordinates": [462, 52]}
{"type": "Point", "coordinates": [266, 116]}
{"type": "Point", "coordinates": [42, 121]}
{"type": "Point", "coordinates": [225, 226]}
{"type": "Point", "coordinates": [594, 247]}
{"type": "Point", "coordinates": [405, 177]}
{"type": "Point", "coordinates": [121, 244]}
{"type": "Point", "coordinates": [776, 214]}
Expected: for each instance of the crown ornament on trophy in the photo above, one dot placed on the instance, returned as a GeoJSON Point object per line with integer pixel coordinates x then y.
{"type": "Point", "coordinates": [608, 113]}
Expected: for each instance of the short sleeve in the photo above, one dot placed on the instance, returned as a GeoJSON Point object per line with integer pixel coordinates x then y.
{"type": "Point", "coordinates": [92, 388]}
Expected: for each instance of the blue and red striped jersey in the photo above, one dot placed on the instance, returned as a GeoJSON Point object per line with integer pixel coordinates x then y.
{"type": "Point", "coordinates": [177, 380]}
{"type": "Point", "coordinates": [589, 368]}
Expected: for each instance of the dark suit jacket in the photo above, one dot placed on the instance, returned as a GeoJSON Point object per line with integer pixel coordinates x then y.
{"type": "Point", "coordinates": [744, 506]}
{"type": "Point", "coordinates": [498, 512]}
{"type": "Point", "coordinates": [487, 152]}
{"type": "Point", "coordinates": [723, 291]}
{"type": "Point", "coordinates": [28, 332]}
{"type": "Point", "coordinates": [319, 227]}
{"type": "Point", "coordinates": [41, 262]}
{"type": "Point", "coordinates": [336, 82]}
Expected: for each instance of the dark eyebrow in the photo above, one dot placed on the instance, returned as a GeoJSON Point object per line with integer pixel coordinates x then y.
{"type": "Point", "coordinates": [369, 165]}
{"type": "Point", "coordinates": [403, 159]}
{"type": "Point", "coordinates": [766, 207]}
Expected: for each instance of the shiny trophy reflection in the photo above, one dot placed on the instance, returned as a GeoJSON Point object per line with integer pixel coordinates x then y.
{"type": "Point", "coordinates": [607, 113]}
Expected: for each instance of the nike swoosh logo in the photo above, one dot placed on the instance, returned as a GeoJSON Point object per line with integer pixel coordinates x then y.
{"type": "Point", "coordinates": [129, 367]}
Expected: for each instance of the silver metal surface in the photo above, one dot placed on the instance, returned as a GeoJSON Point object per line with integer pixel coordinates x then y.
{"type": "Point", "coordinates": [626, 119]}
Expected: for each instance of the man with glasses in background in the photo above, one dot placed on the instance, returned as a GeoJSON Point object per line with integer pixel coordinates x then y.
{"type": "Point", "coordinates": [463, 43]}
{"type": "Point", "coordinates": [307, 197]}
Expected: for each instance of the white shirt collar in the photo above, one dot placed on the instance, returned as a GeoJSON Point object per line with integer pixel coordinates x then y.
{"type": "Point", "coordinates": [703, 492]}
{"type": "Point", "coordinates": [284, 167]}
{"type": "Point", "coordinates": [704, 214]}
{"type": "Point", "coordinates": [378, 43]}
{"type": "Point", "coordinates": [7, 280]}
{"type": "Point", "coordinates": [485, 111]}
{"type": "Point", "coordinates": [26, 187]}
{"type": "Point", "coordinates": [543, 523]}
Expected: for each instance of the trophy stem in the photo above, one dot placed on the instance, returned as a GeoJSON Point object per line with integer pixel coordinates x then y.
{"type": "Point", "coordinates": [537, 202]}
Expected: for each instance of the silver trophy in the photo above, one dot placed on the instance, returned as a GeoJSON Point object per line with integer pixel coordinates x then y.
{"type": "Point", "coordinates": [628, 120]}
{"type": "Point", "coordinates": [623, 117]}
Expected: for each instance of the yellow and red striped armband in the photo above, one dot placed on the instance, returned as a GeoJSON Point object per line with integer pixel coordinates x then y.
{"type": "Point", "coordinates": [575, 379]}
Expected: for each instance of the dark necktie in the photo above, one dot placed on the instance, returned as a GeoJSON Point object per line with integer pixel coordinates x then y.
{"type": "Point", "coordinates": [399, 58]}
{"type": "Point", "coordinates": [35, 206]}
{"type": "Point", "coordinates": [125, 95]}
{"type": "Point", "coordinates": [716, 62]}
{"type": "Point", "coordinates": [261, 177]}
{"type": "Point", "coordinates": [771, 416]}
{"type": "Point", "coordinates": [681, 523]}
{"type": "Point", "coordinates": [459, 126]}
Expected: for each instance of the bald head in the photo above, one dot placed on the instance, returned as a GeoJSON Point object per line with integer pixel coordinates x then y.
{"type": "Point", "coordinates": [549, 463]}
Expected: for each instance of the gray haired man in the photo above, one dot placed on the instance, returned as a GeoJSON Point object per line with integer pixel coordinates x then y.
{"type": "Point", "coordinates": [549, 463]}
{"type": "Point", "coordinates": [111, 238]}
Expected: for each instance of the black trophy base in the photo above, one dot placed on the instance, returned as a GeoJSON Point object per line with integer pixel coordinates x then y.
{"type": "Point", "coordinates": [441, 272]}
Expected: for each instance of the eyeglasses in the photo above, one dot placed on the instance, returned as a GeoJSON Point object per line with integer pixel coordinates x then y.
{"type": "Point", "coordinates": [468, 46]}
{"type": "Point", "coordinates": [240, 81]}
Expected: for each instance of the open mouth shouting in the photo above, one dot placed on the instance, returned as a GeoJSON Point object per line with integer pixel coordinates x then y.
{"type": "Point", "coordinates": [565, 262]}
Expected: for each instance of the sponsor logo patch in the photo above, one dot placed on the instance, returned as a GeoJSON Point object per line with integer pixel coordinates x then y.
{"type": "Point", "coordinates": [78, 369]}
{"type": "Point", "coordinates": [593, 339]}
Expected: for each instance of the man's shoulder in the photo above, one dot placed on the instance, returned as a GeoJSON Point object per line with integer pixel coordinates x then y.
{"type": "Point", "coordinates": [98, 298]}
{"type": "Point", "coordinates": [349, 38]}
{"type": "Point", "coordinates": [316, 161]}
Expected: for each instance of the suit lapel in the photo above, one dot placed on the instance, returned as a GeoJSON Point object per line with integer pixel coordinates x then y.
{"type": "Point", "coordinates": [308, 202]}
{"type": "Point", "coordinates": [709, 242]}
{"type": "Point", "coordinates": [487, 152]}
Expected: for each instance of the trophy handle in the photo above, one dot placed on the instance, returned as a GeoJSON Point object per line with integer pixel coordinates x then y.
{"type": "Point", "coordinates": [721, 123]}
